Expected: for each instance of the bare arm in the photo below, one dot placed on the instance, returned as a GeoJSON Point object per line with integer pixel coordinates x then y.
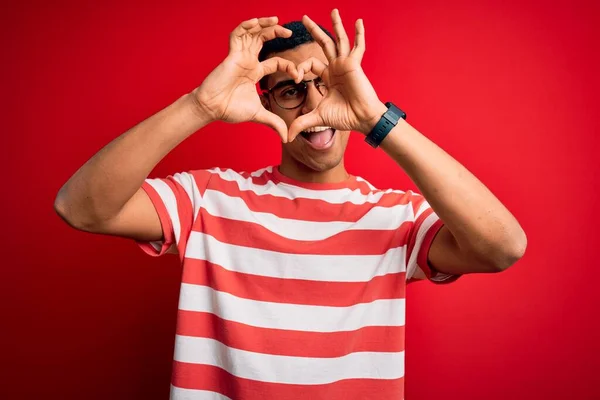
{"type": "Point", "coordinates": [105, 194]}
{"type": "Point", "coordinates": [480, 234]}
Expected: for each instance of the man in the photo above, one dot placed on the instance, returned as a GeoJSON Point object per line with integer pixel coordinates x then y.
{"type": "Point", "coordinates": [293, 276]}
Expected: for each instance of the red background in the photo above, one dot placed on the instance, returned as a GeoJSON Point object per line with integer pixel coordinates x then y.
{"type": "Point", "coordinates": [508, 89]}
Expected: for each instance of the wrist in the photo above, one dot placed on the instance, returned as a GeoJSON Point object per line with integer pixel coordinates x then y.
{"type": "Point", "coordinates": [376, 112]}
{"type": "Point", "coordinates": [200, 113]}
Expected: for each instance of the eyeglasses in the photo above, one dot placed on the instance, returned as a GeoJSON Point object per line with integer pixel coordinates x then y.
{"type": "Point", "coordinates": [290, 95]}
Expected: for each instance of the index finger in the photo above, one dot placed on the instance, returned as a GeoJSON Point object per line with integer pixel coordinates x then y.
{"type": "Point", "coordinates": [314, 65]}
{"type": "Point", "coordinates": [250, 27]}
{"type": "Point", "coordinates": [254, 24]}
{"type": "Point", "coordinates": [274, 64]}
{"type": "Point", "coordinates": [272, 32]}
{"type": "Point", "coordinates": [321, 37]}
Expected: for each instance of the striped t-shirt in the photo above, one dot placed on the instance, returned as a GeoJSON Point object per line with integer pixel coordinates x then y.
{"type": "Point", "coordinates": [290, 290]}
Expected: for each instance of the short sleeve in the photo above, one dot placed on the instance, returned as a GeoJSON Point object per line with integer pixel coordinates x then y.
{"type": "Point", "coordinates": [425, 227]}
{"type": "Point", "coordinates": [177, 200]}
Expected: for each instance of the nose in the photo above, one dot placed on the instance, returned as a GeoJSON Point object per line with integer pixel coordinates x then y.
{"type": "Point", "coordinates": [313, 98]}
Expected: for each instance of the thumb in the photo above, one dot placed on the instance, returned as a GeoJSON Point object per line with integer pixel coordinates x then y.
{"type": "Point", "coordinates": [304, 122]}
{"type": "Point", "coordinates": [275, 122]}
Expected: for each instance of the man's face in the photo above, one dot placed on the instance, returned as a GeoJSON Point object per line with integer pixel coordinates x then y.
{"type": "Point", "coordinates": [314, 150]}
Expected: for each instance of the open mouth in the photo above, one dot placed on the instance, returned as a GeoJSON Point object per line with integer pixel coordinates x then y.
{"type": "Point", "coordinates": [320, 137]}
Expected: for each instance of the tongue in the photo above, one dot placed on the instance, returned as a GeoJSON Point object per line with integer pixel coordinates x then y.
{"type": "Point", "coordinates": [320, 139]}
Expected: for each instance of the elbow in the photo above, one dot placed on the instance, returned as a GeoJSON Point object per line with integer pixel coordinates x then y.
{"type": "Point", "coordinates": [64, 209]}
{"type": "Point", "coordinates": [511, 253]}
{"type": "Point", "coordinates": [61, 208]}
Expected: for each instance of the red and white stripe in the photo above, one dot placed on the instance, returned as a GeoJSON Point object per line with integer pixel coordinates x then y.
{"type": "Point", "coordinates": [290, 291]}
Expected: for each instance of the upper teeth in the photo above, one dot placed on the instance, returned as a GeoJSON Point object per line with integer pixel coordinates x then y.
{"type": "Point", "coordinates": [317, 129]}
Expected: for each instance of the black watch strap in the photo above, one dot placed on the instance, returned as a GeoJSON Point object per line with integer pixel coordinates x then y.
{"type": "Point", "coordinates": [387, 122]}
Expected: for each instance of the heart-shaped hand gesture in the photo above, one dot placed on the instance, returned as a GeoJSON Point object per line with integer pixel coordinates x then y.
{"type": "Point", "coordinates": [229, 92]}
{"type": "Point", "coordinates": [351, 102]}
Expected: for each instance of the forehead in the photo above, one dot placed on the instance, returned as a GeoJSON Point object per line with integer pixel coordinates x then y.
{"type": "Point", "coordinates": [297, 55]}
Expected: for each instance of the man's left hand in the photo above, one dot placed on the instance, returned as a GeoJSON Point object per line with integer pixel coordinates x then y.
{"type": "Point", "coordinates": [351, 102]}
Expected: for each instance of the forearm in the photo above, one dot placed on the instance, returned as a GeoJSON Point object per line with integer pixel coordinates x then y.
{"type": "Point", "coordinates": [478, 221]}
{"type": "Point", "coordinates": [102, 186]}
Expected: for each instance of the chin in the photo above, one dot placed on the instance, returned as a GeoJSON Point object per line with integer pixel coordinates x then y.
{"type": "Point", "coordinates": [321, 162]}
{"type": "Point", "coordinates": [322, 166]}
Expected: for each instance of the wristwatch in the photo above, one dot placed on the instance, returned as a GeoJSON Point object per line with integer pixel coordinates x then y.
{"type": "Point", "coordinates": [387, 122]}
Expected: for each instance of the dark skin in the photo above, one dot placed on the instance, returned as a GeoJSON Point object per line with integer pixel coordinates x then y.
{"type": "Point", "coordinates": [105, 194]}
{"type": "Point", "coordinates": [299, 160]}
{"type": "Point", "coordinates": [479, 233]}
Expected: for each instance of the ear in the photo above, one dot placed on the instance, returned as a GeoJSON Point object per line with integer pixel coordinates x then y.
{"type": "Point", "coordinates": [264, 99]}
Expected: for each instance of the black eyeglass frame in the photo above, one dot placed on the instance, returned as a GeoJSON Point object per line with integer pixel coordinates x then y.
{"type": "Point", "coordinates": [288, 82]}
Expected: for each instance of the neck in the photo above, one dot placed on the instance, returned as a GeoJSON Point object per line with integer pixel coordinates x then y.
{"type": "Point", "coordinates": [294, 169]}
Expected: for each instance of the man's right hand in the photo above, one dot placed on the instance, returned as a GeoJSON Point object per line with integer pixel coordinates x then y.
{"type": "Point", "coordinates": [105, 194]}
{"type": "Point", "coordinates": [229, 92]}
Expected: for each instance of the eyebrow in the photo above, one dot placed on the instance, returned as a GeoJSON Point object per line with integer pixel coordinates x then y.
{"type": "Point", "coordinates": [283, 83]}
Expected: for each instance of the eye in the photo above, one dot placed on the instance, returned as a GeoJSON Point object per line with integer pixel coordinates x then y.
{"type": "Point", "coordinates": [290, 92]}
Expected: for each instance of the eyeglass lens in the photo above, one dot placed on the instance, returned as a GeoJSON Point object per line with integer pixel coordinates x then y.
{"type": "Point", "coordinates": [294, 94]}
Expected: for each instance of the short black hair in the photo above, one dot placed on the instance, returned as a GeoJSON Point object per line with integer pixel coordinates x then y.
{"type": "Point", "coordinates": [300, 35]}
